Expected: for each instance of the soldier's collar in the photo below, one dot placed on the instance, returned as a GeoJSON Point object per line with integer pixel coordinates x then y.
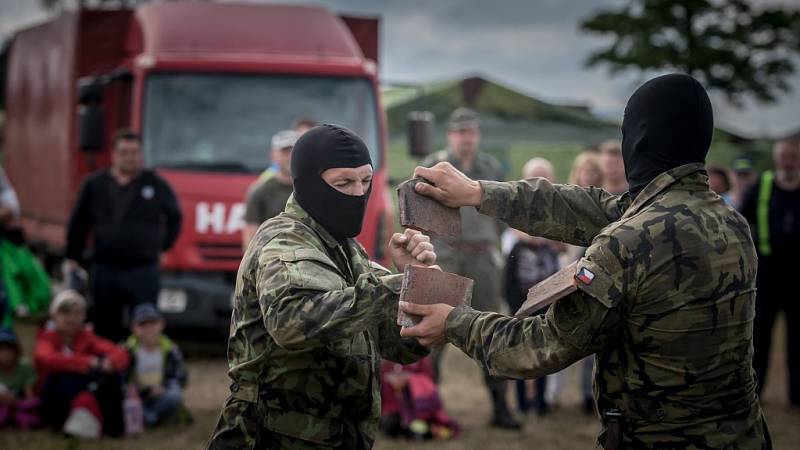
{"type": "Point", "coordinates": [294, 209]}
{"type": "Point", "coordinates": [661, 183]}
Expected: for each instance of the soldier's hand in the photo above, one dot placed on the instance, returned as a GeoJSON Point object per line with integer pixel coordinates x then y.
{"type": "Point", "coordinates": [411, 247]}
{"type": "Point", "coordinates": [430, 331]}
{"type": "Point", "coordinates": [448, 186]}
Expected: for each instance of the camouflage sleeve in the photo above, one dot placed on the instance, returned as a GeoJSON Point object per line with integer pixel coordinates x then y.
{"type": "Point", "coordinates": [306, 302]}
{"type": "Point", "coordinates": [560, 212]}
{"type": "Point", "coordinates": [575, 326]}
{"type": "Point", "coordinates": [391, 345]}
{"type": "Point", "coordinates": [531, 347]}
{"type": "Point", "coordinates": [609, 271]}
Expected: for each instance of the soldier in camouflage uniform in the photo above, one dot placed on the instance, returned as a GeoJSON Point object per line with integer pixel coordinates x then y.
{"type": "Point", "coordinates": [312, 314]}
{"type": "Point", "coordinates": [475, 253]}
{"type": "Point", "coordinates": [666, 289]}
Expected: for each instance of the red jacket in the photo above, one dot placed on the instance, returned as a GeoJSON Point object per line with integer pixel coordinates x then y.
{"type": "Point", "coordinates": [51, 357]}
{"type": "Point", "coordinates": [390, 400]}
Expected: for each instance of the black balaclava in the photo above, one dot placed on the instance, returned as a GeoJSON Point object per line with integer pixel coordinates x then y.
{"type": "Point", "coordinates": [668, 123]}
{"type": "Point", "coordinates": [319, 149]}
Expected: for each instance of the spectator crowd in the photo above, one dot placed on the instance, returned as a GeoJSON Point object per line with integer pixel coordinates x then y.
{"type": "Point", "coordinates": [85, 378]}
{"type": "Point", "coordinates": [119, 373]}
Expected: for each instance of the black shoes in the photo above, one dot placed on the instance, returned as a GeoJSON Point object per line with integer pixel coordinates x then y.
{"type": "Point", "coordinates": [505, 421]}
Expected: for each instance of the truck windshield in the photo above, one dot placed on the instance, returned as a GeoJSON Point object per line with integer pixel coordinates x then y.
{"type": "Point", "coordinates": [226, 121]}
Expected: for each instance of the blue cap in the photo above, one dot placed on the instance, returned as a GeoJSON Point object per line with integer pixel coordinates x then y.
{"type": "Point", "coordinates": [7, 336]}
{"type": "Point", "coordinates": [145, 312]}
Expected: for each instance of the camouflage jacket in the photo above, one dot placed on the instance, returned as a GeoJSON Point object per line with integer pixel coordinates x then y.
{"type": "Point", "coordinates": [311, 320]}
{"type": "Point", "coordinates": [476, 228]}
{"type": "Point", "coordinates": [666, 301]}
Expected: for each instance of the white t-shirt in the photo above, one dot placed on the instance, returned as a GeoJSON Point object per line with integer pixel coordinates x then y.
{"type": "Point", "coordinates": [149, 366]}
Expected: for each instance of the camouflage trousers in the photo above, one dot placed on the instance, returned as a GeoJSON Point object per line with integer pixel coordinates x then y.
{"type": "Point", "coordinates": [248, 425]}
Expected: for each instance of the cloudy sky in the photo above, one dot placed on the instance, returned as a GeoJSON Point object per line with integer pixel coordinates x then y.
{"type": "Point", "coordinates": [532, 45]}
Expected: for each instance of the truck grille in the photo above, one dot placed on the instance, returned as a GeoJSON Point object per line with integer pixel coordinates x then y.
{"type": "Point", "coordinates": [217, 252]}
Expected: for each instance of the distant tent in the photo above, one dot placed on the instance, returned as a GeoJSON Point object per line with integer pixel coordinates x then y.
{"type": "Point", "coordinates": [507, 115]}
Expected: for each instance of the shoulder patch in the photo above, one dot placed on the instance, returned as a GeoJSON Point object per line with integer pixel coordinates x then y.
{"type": "Point", "coordinates": [585, 276]}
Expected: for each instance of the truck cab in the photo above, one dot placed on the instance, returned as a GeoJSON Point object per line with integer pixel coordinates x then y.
{"type": "Point", "coordinates": [206, 85]}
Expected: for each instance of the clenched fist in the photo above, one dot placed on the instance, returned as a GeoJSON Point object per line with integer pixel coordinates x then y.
{"type": "Point", "coordinates": [411, 247]}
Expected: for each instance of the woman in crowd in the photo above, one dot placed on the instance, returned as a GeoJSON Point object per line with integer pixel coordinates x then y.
{"type": "Point", "coordinates": [587, 170]}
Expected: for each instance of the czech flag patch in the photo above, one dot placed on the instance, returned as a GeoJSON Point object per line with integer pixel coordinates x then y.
{"type": "Point", "coordinates": [585, 276]}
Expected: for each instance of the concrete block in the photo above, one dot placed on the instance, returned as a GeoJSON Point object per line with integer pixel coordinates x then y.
{"type": "Point", "coordinates": [426, 286]}
{"type": "Point", "coordinates": [426, 214]}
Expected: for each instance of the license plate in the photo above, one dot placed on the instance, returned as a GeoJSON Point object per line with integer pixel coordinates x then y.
{"type": "Point", "coordinates": [172, 301]}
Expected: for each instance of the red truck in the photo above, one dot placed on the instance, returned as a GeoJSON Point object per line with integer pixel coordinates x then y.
{"type": "Point", "coordinates": [206, 85]}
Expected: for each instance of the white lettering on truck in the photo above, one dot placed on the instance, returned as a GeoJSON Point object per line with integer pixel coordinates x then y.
{"type": "Point", "coordinates": [236, 218]}
{"type": "Point", "coordinates": [212, 218]}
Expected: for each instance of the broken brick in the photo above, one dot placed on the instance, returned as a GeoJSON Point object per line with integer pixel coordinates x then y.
{"type": "Point", "coordinates": [426, 286]}
{"type": "Point", "coordinates": [425, 214]}
{"type": "Point", "coordinates": [552, 288]}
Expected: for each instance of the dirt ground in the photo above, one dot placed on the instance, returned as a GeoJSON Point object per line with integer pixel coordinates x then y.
{"type": "Point", "coordinates": [465, 399]}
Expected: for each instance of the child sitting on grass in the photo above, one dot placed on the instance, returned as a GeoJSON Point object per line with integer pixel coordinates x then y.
{"type": "Point", "coordinates": [157, 372]}
{"type": "Point", "coordinates": [79, 373]}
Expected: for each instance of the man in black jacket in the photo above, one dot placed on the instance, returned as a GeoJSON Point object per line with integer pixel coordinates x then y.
{"type": "Point", "coordinates": [133, 216]}
{"type": "Point", "coordinates": [772, 206]}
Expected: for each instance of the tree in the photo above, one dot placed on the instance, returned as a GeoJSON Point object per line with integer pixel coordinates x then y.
{"type": "Point", "coordinates": [728, 45]}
